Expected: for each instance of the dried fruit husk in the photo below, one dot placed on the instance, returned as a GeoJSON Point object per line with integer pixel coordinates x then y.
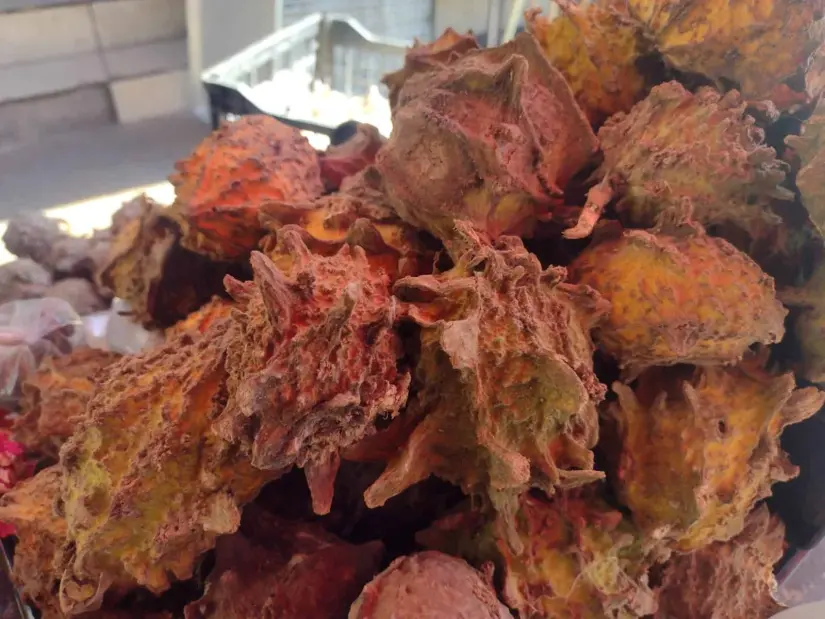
{"type": "Point", "coordinates": [358, 215]}
{"type": "Point", "coordinates": [273, 568]}
{"type": "Point", "coordinates": [755, 46]}
{"type": "Point", "coordinates": [597, 48]}
{"type": "Point", "coordinates": [427, 57]}
{"type": "Point", "coordinates": [809, 148]}
{"type": "Point", "coordinates": [222, 185]}
{"type": "Point", "coordinates": [507, 394]}
{"type": "Point", "coordinates": [429, 584]}
{"type": "Point", "coordinates": [581, 558]}
{"type": "Point", "coordinates": [331, 369]}
{"type": "Point", "coordinates": [678, 296]}
{"type": "Point", "coordinates": [55, 397]}
{"type": "Point", "coordinates": [148, 485]}
{"type": "Point", "coordinates": [695, 154]}
{"type": "Point", "coordinates": [161, 281]}
{"type": "Point", "coordinates": [809, 324]}
{"type": "Point", "coordinates": [492, 138]}
{"type": "Point", "coordinates": [345, 160]}
{"type": "Point", "coordinates": [700, 447]}
{"type": "Point", "coordinates": [726, 580]}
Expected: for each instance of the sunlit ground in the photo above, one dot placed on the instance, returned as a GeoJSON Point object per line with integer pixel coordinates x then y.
{"type": "Point", "coordinates": [85, 216]}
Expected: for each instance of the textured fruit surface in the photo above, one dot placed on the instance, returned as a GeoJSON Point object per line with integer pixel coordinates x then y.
{"type": "Point", "coordinates": [148, 485]}
{"type": "Point", "coordinates": [507, 392]}
{"type": "Point", "coordinates": [682, 297]}
{"type": "Point", "coordinates": [696, 154]}
{"type": "Point", "coordinates": [333, 370]}
{"type": "Point", "coordinates": [243, 165]}
{"type": "Point", "coordinates": [755, 44]}
{"type": "Point", "coordinates": [809, 148]}
{"type": "Point", "coordinates": [428, 584]}
{"type": "Point", "coordinates": [492, 139]}
{"type": "Point", "coordinates": [808, 327]}
{"type": "Point", "coordinates": [597, 48]}
{"type": "Point", "coordinates": [726, 580]}
{"type": "Point", "coordinates": [699, 447]}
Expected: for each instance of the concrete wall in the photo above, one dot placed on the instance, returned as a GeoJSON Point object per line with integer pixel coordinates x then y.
{"type": "Point", "coordinates": [77, 63]}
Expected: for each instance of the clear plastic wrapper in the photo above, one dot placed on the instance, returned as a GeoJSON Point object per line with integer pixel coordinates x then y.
{"type": "Point", "coordinates": [29, 331]}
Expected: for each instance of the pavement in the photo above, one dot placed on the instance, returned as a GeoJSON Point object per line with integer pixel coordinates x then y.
{"type": "Point", "coordinates": [84, 176]}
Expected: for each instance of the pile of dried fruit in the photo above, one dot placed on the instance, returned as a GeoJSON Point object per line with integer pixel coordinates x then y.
{"type": "Point", "coordinates": [527, 358]}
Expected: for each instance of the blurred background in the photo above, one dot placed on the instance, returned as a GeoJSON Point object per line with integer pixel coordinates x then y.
{"type": "Point", "coordinates": [99, 99]}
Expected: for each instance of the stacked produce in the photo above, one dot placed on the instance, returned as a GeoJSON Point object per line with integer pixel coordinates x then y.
{"type": "Point", "coordinates": [530, 357]}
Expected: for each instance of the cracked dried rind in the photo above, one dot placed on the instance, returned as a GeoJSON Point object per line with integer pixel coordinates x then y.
{"type": "Point", "coordinates": [429, 584]}
{"type": "Point", "coordinates": [492, 138]}
{"type": "Point", "coordinates": [809, 148]}
{"type": "Point", "coordinates": [700, 446]}
{"type": "Point", "coordinates": [55, 398]}
{"type": "Point", "coordinates": [697, 154]}
{"type": "Point", "coordinates": [679, 296]}
{"type": "Point", "coordinates": [333, 369]}
{"type": "Point", "coordinates": [148, 485]}
{"type": "Point", "coordinates": [161, 281]}
{"type": "Point", "coordinates": [580, 558]}
{"type": "Point", "coordinates": [597, 48]}
{"type": "Point", "coordinates": [729, 580]}
{"type": "Point", "coordinates": [358, 215]}
{"type": "Point", "coordinates": [243, 165]}
{"type": "Point", "coordinates": [275, 569]}
{"type": "Point", "coordinates": [755, 45]}
{"type": "Point", "coordinates": [426, 57]}
{"type": "Point", "coordinates": [507, 390]}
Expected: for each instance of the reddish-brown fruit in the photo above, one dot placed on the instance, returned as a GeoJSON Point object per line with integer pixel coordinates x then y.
{"type": "Point", "coordinates": [55, 398]}
{"type": "Point", "coordinates": [332, 367]}
{"type": "Point", "coordinates": [699, 447]}
{"type": "Point", "coordinates": [492, 139]}
{"type": "Point", "coordinates": [243, 165]}
{"type": "Point", "coordinates": [507, 390]}
{"type": "Point", "coordinates": [729, 580]}
{"type": "Point", "coordinates": [429, 584]}
{"type": "Point", "coordinates": [345, 160]}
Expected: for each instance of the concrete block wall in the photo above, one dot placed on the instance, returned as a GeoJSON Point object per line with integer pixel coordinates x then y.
{"type": "Point", "coordinates": [72, 63]}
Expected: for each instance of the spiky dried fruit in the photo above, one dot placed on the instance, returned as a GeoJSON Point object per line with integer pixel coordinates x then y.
{"type": "Point", "coordinates": [198, 322]}
{"type": "Point", "coordinates": [429, 584]}
{"type": "Point", "coordinates": [492, 138]}
{"type": "Point", "coordinates": [243, 165]}
{"type": "Point", "coordinates": [507, 390]}
{"type": "Point", "coordinates": [333, 367]}
{"type": "Point", "coordinates": [680, 296]}
{"type": "Point", "coordinates": [697, 154]}
{"type": "Point", "coordinates": [597, 48]}
{"type": "Point", "coordinates": [148, 485]}
{"type": "Point", "coordinates": [358, 215]}
{"type": "Point", "coordinates": [726, 580]}
{"type": "Point", "coordinates": [580, 558]}
{"type": "Point", "coordinates": [275, 569]}
{"type": "Point", "coordinates": [810, 147]}
{"type": "Point", "coordinates": [752, 45]}
{"type": "Point", "coordinates": [426, 57]}
{"type": "Point", "coordinates": [148, 268]}
{"type": "Point", "coordinates": [348, 159]}
{"type": "Point", "coordinates": [700, 446]}
{"type": "Point", "coordinates": [55, 397]}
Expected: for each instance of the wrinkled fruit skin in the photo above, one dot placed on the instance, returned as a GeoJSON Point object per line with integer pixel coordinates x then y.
{"type": "Point", "coordinates": [148, 268]}
{"type": "Point", "coordinates": [597, 48]}
{"type": "Point", "coordinates": [727, 580]}
{"type": "Point", "coordinates": [699, 447]}
{"type": "Point", "coordinates": [683, 297]}
{"type": "Point", "coordinates": [333, 370]}
{"type": "Point", "coordinates": [223, 184]}
{"type": "Point", "coordinates": [491, 139]}
{"type": "Point", "coordinates": [345, 160]}
{"type": "Point", "coordinates": [428, 584]}
{"type": "Point", "coordinates": [810, 147]}
{"type": "Point", "coordinates": [755, 45]}
{"type": "Point", "coordinates": [55, 397]}
{"type": "Point", "coordinates": [697, 154]}
{"type": "Point", "coordinates": [274, 569]}
{"type": "Point", "coordinates": [148, 485]}
{"type": "Point", "coordinates": [507, 393]}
